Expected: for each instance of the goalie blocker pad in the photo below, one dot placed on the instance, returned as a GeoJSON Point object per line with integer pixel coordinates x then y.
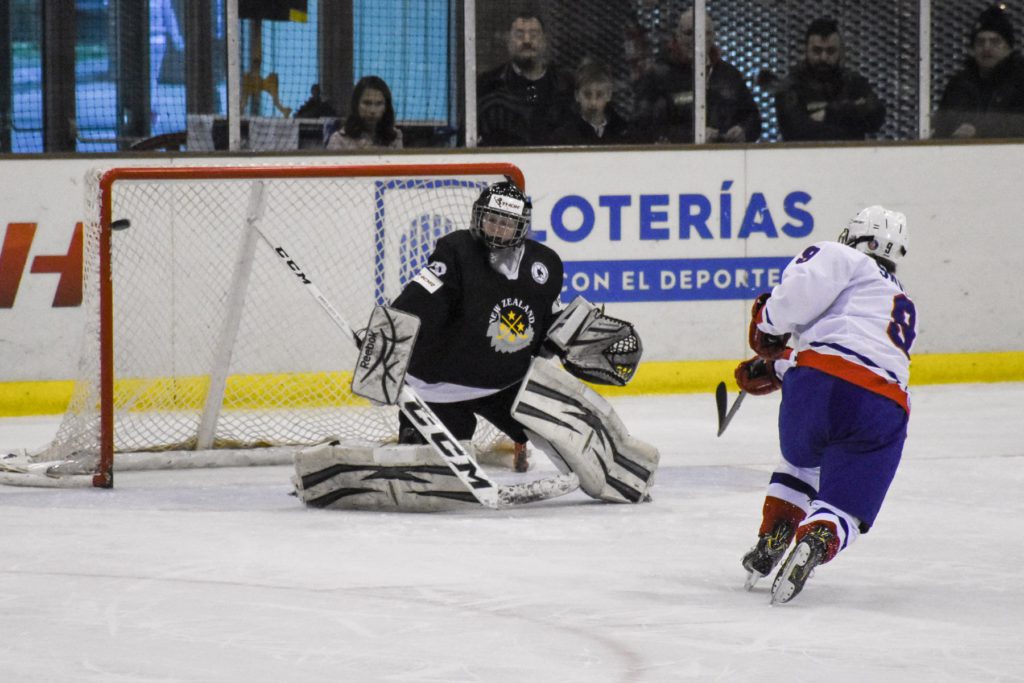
{"type": "Point", "coordinates": [354, 475]}
{"type": "Point", "coordinates": [384, 354]}
{"type": "Point", "coordinates": [581, 433]}
{"type": "Point", "coordinates": [593, 346]}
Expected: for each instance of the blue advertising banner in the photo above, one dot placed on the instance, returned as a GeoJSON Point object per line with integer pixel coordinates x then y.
{"type": "Point", "coordinates": [672, 279]}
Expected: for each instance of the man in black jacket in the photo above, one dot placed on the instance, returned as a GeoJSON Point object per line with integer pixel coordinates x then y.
{"type": "Point", "coordinates": [986, 98]}
{"type": "Point", "coordinates": [823, 100]}
{"type": "Point", "coordinates": [665, 95]}
{"type": "Point", "coordinates": [523, 101]}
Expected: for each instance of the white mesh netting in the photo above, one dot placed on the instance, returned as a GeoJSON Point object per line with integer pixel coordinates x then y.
{"type": "Point", "coordinates": [215, 344]}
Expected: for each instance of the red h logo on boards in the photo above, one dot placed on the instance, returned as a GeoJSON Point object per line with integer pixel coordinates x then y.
{"type": "Point", "coordinates": [14, 255]}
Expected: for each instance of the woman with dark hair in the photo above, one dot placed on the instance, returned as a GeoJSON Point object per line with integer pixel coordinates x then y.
{"type": "Point", "coordinates": [371, 119]}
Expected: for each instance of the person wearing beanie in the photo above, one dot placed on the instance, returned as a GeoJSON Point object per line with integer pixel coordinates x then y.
{"type": "Point", "coordinates": [994, 20]}
{"type": "Point", "coordinates": [985, 99]}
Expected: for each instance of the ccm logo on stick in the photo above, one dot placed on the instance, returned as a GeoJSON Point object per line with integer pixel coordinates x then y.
{"type": "Point", "coordinates": [293, 265]}
{"type": "Point", "coordinates": [446, 446]}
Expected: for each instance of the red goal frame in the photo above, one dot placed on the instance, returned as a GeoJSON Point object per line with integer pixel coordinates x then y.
{"type": "Point", "coordinates": [103, 477]}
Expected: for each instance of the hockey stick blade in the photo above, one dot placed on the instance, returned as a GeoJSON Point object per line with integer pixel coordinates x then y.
{"type": "Point", "coordinates": [534, 491]}
{"type": "Point", "coordinates": [724, 421]}
{"type": "Point", "coordinates": [722, 403]}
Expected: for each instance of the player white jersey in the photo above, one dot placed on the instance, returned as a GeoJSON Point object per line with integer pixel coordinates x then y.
{"type": "Point", "coordinates": [849, 317]}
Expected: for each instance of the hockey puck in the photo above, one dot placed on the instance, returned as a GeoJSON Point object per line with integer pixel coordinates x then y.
{"type": "Point", "coordinates": [120, 224]}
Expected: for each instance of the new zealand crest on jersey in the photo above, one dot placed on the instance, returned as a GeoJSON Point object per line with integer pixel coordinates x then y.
{"type": "Point", "coordinates": [511, 325]}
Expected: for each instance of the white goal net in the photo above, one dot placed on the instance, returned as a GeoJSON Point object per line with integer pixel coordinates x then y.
{"type": "Point", "coordinates": [198, 339]}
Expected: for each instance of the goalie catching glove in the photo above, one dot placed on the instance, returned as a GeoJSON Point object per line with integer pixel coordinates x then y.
{"type": "Point", "coordinates": [593, 346]}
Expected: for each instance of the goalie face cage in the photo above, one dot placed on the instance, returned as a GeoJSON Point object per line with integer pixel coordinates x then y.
{"type": "Point", "coordinates": [196, 339]}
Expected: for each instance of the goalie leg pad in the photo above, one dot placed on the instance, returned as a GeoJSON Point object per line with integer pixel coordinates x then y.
{"type": "Point", "coordinates": [384, 354]}
{"type": "Point", "coordinates": [355, 475]}
{"type": "Point", "coordinates": [580, 431]}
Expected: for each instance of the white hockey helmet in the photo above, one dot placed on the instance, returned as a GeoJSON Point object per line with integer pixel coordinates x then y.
{"type": "Point", "coordinates": [878, 232]}
{"type": "Point", "coordinates": [505, 202]}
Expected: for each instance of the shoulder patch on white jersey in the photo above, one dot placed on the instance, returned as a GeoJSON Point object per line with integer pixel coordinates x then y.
{"type": "Point", "coordinates": [428, 280]}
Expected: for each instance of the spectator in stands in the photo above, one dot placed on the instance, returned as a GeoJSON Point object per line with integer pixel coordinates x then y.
{"type": "Point", "coordinates": [316, 107]}
{"type": "Point", "coordinates": [823, 100]}
{"type": "Point", "coordinates": [597, 122]}
{"type": "Point", "coordinates": [163, 27]}
{"type": "Point", "coordinates": [523, 101]}
{"type": "Point", "coordinates": [665, 94]}
{"type": "Point", "coordinates": [371, 119]}
{"type": "Point", "coordinates": [986, 98]}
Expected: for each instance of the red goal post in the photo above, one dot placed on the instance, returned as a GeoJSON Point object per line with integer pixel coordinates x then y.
{"type": "Point", "coordinates": [195, 342]}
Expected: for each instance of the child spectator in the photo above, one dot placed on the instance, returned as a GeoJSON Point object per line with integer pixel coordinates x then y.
{"type": "Point", "coordinates": [597, 123]}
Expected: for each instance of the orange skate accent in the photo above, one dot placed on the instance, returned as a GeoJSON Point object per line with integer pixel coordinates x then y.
{"type": "Point", "coordinates": [832, 545]}
{"type": "Point", "coordinates": [775, 509]}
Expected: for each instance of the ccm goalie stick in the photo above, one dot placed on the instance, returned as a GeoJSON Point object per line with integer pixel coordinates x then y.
{"type": "Point", "coordinates": [722, 400]}
{"type": "Point", "coordinates": [462, 464]}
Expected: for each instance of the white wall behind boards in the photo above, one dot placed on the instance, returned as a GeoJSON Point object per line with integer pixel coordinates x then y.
{"type": "Point", "coordinates": [677, 241]}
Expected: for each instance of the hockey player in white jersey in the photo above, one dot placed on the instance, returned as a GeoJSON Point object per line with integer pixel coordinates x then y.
{"type": "Point", "coordinates": [835, 335]}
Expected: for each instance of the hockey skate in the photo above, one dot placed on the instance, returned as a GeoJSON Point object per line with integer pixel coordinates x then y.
{"type": "Point", "coordinates": [817, 546]}
{"type": "Point", "coordinates": [770, 547]}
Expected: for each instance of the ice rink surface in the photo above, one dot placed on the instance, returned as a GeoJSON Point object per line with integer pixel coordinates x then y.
{"type": "Point", "coordinates": [221, 575]}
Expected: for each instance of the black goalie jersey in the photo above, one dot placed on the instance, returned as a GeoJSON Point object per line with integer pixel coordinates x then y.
{"type": "Point", "coordinates": [479, 328]}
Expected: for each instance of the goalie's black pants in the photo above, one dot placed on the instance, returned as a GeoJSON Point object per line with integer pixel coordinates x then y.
{"type": "Point", "coordinates": [460, 418]}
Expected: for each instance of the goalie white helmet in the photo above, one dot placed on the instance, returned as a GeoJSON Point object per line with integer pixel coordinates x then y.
{"type": "Point", "coordinates": [501, 216]}
{"type": "Point", "coordinates": [878, 232]}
